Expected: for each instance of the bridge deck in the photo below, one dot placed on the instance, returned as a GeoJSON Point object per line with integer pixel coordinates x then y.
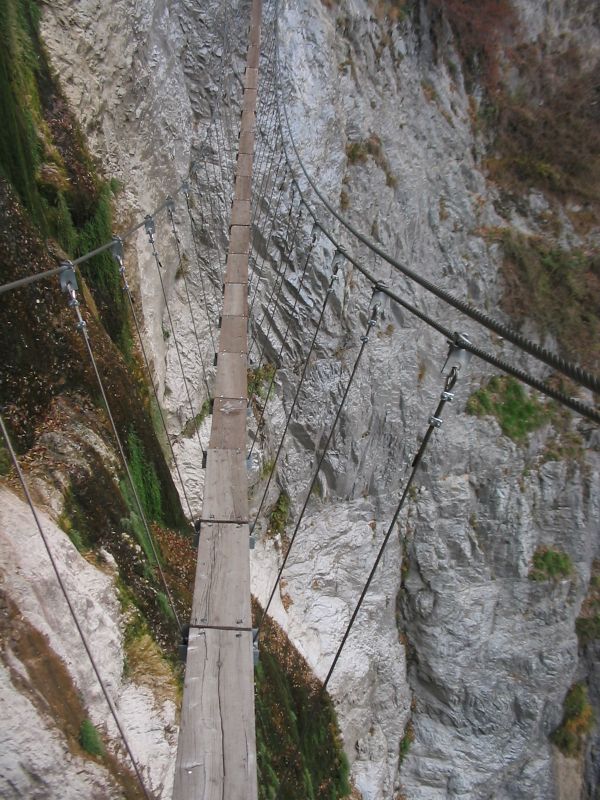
{"type": "Point", "coordinates": [216, 754]}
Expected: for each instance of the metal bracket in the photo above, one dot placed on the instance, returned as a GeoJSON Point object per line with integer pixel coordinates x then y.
{"type": "Point", "coordinates": [68, 278]}
{"type": "Point", "coordinates": [457, 356]}
{"type": "Point", "coordinates": [149, 226]}
{"type": "Point", "coordinates": [447, 396]}
{"type": "Point", "coordinates": [116, 250]}
{"type": "Point", "coordinates": [436, 422]}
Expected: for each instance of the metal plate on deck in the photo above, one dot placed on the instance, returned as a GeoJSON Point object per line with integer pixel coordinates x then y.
{"type": "Point", "coordinates": [228, 429]}
{"type": "Point", "coordinates": [232, 380]}
{"type": "Point", "coordinates": [226, 486]}
{"type": "Point", "coordinates": [223, 571]}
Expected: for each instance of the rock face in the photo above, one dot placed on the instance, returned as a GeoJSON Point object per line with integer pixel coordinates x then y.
{"type": "Point", "coordinates": [37, 761]}
{"type": "Point", "coordinates": [453, 635]}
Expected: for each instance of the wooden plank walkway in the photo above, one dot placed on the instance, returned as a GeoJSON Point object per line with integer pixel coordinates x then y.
{"type": "Point", "coordinates": [216, 753]}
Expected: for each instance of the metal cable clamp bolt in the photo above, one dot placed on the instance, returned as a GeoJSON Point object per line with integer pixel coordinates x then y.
{"type": "Point", "coordinates": [149, 227]}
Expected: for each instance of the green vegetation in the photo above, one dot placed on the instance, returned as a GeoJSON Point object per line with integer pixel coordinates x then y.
{"type": "Point", "coordinates": [299, 750]}
{"type": "Point", "coordinates": [192, 425]}
{"type": "Point", "coordinates": [144, 478]}
{"type": "Point", "coordinates": [358, 153]}
{"type": "Point", "coordinates": [550, 564]}
{"type": "Point", "coordinates": [558, 289]}
{"type": "Point", "coordinates": [577, 722]}
{"type": "Point", "coordinates": [44, 156]}
{"type": "Point", "coordinates": [89, 739]}
{"type": "Point", "coordinates": [279, 515]}
{"type": "Point", "coordinates": [5, 461]}
{"type": "Point", "coordinates": [165, 606]}
{"type": "Point", "coordinates": [505, 399]}
{"type": "Point", "coordinates": [406, 741]}
{"type": "Point", "coordinates": [260, 379]}
{"type": "Point", "coordinates": [587, 625]}
{"type": "Point", "coordinates": [134, 524]}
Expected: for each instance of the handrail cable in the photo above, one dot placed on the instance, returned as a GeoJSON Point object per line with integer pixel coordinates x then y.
{"type": "Point", "coordinates": [63, 588]}
{"type": "Point", "coordinates": [159, 267]}
{"type": "Point", "coordinates": [364, 341]}
{"type": "Point", "coordinates": [573, 371]}
{"type": "Point", "coordinates": [332, 280]}
{"type": "Point", "coordinates": [280, 278]}
{"type": "Point", "coordinates": [118, 254]}
{"type": "Point", "coordinates": [285, 336]}
{"type": "Point", "coordinates": [193, 230]}
{"type": "Point", "coordinates": [70, 288]}
{"type": "Point", "coordinates": [189, 299]}
{"type": "Point", "coordinates": [285, 239]}
{"type": "Point", "coordinates": [583, 409]}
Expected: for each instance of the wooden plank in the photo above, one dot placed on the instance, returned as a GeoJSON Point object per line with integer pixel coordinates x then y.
{"type": "Point", "coordinates": [223, 564]}
{"type": "Point", "coordinates": [249, 101]}
{"type": "Point", "coordinates": [244, 165]}
{"type": "Point", "coordinates": [251, 78]}
{"type": "Point", "coordinates": [240, 212]}
{"type": "Point", "coordinates": [235, 301]}
{"type": "Point", "coordinates": [233, 337]}
{"type": "Point", "coordinates": [216, 756]}
{"type": "Point", "coordinates": [248, 120]}
{"type": "Point", "coordinates": [226, 486]}
{"type": "Point", "coordinates": [236, 270]}
{"type": "Point", "coordinates": [231, 379]}
{"type": "Point", "coordinates": [246, 143]}
{"type": "Point", "coordinates": [243, 187]}
{"type": "Point", "coordinates": [253, 56]}
{"type": "Point", "coordinates": [239, 239]}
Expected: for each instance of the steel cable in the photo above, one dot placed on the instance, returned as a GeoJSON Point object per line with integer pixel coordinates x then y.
{"type": "Point", "coordinates": [63, 588]}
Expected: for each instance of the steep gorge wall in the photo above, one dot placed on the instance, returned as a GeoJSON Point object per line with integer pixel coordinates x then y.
{"type": "Point", "coordinates": [454, 635]}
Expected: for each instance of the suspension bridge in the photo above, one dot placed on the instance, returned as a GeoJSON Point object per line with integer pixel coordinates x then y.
{"type": "Point", "coordinates": [268, 184]}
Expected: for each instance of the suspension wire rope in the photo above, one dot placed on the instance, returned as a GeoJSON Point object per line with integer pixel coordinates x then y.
{"type": "Point", "coordinates": [118, 255]}
{"type": "Point", "coordinates": [150, 230]}
{"type": "Point", "coordinates": [314, 237]}
{"type": "Point", "coordinates": [276, 185]}
{"type": "Point", "coordinates": [213, 219]}
{"type": "Point", "coordinates": [208, 223]}
{"type": "Point", "coordinates": [277, 283]}
{"type": "Point", "coordinates": [193, 229]}
{"type": "Point", "coordinates": [286, 257]}
{"type": "Point", "coordinates": [573, 403]}
{"type": "Point", "coordinates": [70, 288]}
{"type": "Point", "coordinates": [189, 299]}
{"type": "Point", "coordinates": [258, 274]}
{"type": "Point", "coordinates": [264, 168]}
{"type": "Point", "coordinates": [573, 371]}
{"type": "Point", "coordinates": [266, 148]}
{"type": "Point", "coordinates": [435, 421]}
{"type": "Point", "coordinates": [285, 238]}
{"type": "Point", "coordinates": [364, 341]}
{"type": "Point", "coordinates": [334, 276]}
{"type": "Point", "coordinates": [38, 276]}
{"type": "Point", "coordinates": [71, 607]}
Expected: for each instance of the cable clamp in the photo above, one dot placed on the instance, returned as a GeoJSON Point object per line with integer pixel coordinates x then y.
{"type": "Point", "coordinates": [364, 339]}
{"type": "Point", "coordinates": [458, 358]}
{"type": "Point", "coordinates": [448, 397]}
{"type": "Point", "coordinates": [435, 422]}
{"type": "Point", "coordinates": [149, 227]}
{"type": "Point", "coordinates": [170, 204]}
{"type": "Point", "coordinates": [68, 278]}
{"type": "Point", "coordinates": [82, 323]}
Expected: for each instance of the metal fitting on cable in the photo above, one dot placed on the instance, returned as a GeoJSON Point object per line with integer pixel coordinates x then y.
{"type": "Point", "coordinates": [458, 358]}
{"type": "Point", "coordinates": [149, 227]}
{"type": "Point", "coordinates": [316, 229]}
{"type": "Point", "coordinates": [170, 204]}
